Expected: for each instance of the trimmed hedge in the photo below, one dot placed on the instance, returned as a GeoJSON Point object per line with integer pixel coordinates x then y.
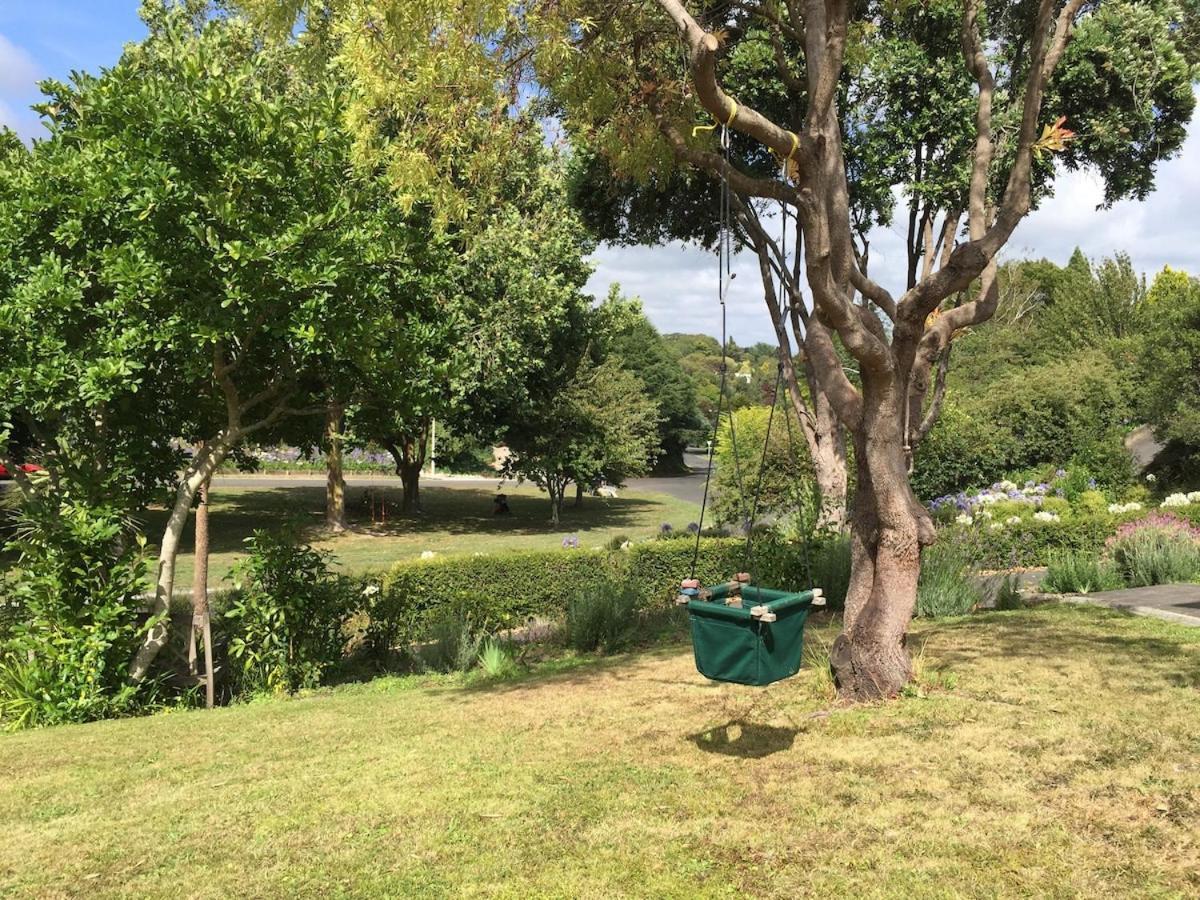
{"type": "Point", "coordinates": [502, 590]}
{"type": "Point", "coordinates": [1034, 543]}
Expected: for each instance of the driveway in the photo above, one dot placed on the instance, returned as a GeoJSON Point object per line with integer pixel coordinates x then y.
{"type": "Point", "coordinates": [1178, 603]}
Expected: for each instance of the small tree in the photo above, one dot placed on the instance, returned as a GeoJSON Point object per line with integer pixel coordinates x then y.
{"type": "Point", "coordinates": [601, 425]}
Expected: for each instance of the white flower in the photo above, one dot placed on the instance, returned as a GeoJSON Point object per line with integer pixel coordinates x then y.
{"type": "Point", "coordinates": [1152, 478]}
{"type": "Point", "coordinates": [1007, 486]}
{"type": "Point", "coordinates": [1121, 508]}
{"type": "Point", "coordinates": [964, 519]}
{"type": "Point", "coordinates": [1194, 497]}
{"type": "Point", "coordinates": [370, 590]}
{"type": "Point", "coordinates": [1176, 500]}
{"type": "Point", "coordinates": [985, 513]}
{"type": "Point", "coordinates": [986, 497]}
{"type": "Point", "coordinates": [996, 526]}
{"type": "Point", "coordinates": [1043, 516]}
{"type": "Point", "coordinates": [428, 554]}
{"type": "Point", "coordinates": [1013, 520]}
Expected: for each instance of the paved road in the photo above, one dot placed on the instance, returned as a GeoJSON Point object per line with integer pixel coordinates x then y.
{"type": "Point", "coordinates": [1174, 602]}
{"type": "Point", "coordinates": [684, 487]}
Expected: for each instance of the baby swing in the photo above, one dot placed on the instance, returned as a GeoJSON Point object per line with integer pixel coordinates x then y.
{"type": "Point", "coordinates": [742, 633]}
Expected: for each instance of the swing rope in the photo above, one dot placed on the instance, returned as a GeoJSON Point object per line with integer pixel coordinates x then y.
{"type": "Point", "coordinates": [725, 278]}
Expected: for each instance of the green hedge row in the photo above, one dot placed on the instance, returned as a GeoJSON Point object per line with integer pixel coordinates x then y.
{"type": "Point", "coordinates": [1032, 543]}
{"type": "Point", "coordinates": [503, 590]}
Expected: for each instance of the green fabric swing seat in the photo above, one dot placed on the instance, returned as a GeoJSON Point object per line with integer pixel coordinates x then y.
{"type": "Point", "coordinates": [732, 644]}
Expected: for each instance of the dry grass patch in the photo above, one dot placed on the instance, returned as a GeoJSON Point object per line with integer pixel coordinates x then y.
{"type": "Point", "coordinates": [1053, 752]}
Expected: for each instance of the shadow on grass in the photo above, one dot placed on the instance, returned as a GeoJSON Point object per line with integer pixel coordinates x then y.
{"type": "Point", "coordinates": [745, 740]}
{"type": "Point", "coordinates": [236, 514]}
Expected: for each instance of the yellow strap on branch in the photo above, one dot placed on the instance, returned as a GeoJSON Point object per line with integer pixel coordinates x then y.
{"type": "Point", "coordinates": [732, 116]}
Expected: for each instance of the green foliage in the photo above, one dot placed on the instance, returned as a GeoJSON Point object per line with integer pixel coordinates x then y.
{"type": "Point", "coordinates": [1008, 595]}
{"type": "Point", "coordinates": [1080, 572]}
{"type": "Point", "coordinates": [947, 585]}
{"type": "Point", "coordinates": [600, 425]}
{"type": "Point", "coordinates": [507, 590]}
{"type": "Point", "coordinates": [630, 336]}
{"type": "Point", "coordinates": [1158, 550]}
{"type": "Point", "coordinates": [285, 617]}
{"type": "Point", "coordinates": [831, 569]}
{"type": "Point", "coordinates": [963, 450]}
{"type": "Point", "coordinates": [1169, 368]}
{"type": "Point", "coordinates": [496, 660]}
{"type": "Point", "coordinates": [602, 615]}
{"type": "Point", "coordinates": [450, 640]}
{"type": "Point", "coordinates": [81, 571]}
{"type": "Point", "coordinates": [782, 479]}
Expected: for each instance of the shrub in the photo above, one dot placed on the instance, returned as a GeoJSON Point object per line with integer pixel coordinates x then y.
{"type": "Point", "coordinates": [1008, 595]}
{"type": "Point", "coordinates": [962, 450]}
{"type": "Point", "coordinates": [603, 616]}
{"type": "Point", "coordinates": [511, 588]}
{"type": "Point", "coordinates": [1080, 572]}
{"type": "Point", "coordinates": [947, 586]}
{"type": "Point", "coordinates": [831, 569]}
{"type": "Point", "coordinates": [450, 640]}
{"type": "Point", "coordinates": [66, 657]}
{"type": "Point", "coordinates": [496, 660]}
{"type": "Point", "coordinates": [1159, 549]}
{"type": "Point", "coordinates": [285, 615]}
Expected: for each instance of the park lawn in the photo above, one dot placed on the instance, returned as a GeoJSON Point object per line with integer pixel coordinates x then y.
{"type": "Point", "coordinates": [457, 519]}
{"type": "Point", "coordinates": [1050, 752]}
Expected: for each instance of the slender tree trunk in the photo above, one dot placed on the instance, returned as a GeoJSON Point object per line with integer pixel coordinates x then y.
{"type": "Point", "coordinates": [201, 613]}
{"type": "Point", "coordinates": [199, 471]}
{"type": "Point", "coordinates": [335, 485]}
{"type": "Point", "coordinates": [578, 494]}
{"type": "Point", "coordinates": [555, 488]}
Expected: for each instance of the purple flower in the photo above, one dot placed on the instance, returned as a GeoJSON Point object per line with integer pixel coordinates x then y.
{"type": "Point", "coordinates": [1060, 473]}
{"type": "Point", "coordinates": [571, 542]}
{"type": "Point", "coordinates": [693, 527]}
{"type": "Point", "coordinates": [665, 528]}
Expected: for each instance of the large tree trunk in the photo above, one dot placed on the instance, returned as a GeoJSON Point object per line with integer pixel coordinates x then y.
{"type": "Point", "coordinates": [201, 612]}
{"type": "Point", "coordinates": [888, 531]}
{"type": "Point", "coordinates": [199, 471]}
{"type": "Point", "coordinates": [335, 485]}
{"type": "Point", "coordinates": [410, 480]}
{"type": "Point", "coordinates": [828, 452]}
{"type": "Point", "coordinates": [408, 454]}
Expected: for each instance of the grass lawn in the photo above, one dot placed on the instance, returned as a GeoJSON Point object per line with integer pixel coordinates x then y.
{"type": "Point", "coordinates": [1053, 752]}
{"type": "Point", "coordinates": [457, 519]}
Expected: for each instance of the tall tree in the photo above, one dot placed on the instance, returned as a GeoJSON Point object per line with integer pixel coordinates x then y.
{"type": "Point", "coordinates": [999, 76]}
{"type": "Point", "coordinates": [200, 197]}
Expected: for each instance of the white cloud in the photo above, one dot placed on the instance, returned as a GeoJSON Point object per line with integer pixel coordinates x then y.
{"type": "Point", "coordinates": [679, 285]}
{"type": "Point", "coordinates": [18, 71]}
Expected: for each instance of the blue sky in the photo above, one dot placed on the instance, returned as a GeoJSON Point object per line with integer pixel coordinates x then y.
{"type": "Point", "coordinates": [50, 38]}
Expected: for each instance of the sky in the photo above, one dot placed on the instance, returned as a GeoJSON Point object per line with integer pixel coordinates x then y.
{"type": "Point", "coordinates": [678, 285]}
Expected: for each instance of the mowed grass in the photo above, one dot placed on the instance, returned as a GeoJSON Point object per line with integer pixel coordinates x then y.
{"type": "Point", "coordinates": [1051, 753]}
{"type": "Point", "coordinates": [456, 520]}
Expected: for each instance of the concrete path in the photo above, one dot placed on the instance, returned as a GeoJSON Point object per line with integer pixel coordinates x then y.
{"type": "Point", "coordinates": [1178, 603]}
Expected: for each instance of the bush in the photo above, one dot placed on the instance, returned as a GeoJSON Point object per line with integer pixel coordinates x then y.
{"type": "Point", "coordinates": [285, 616]}
{"type": "Point", "coordinates": [451, 642]}
{"type": "Point", "coordinates": [76, 615]}
{"type": "Point", "coordinates": [1159, 549]}
{"type": "Point", "coordinates": [1080, 572]}
{"type": "Point", "coordinates": [947, 586]}
{"type": "Point", "coordinates": [961, 451]}
{"type": "Point", "coordinates": [496, 660]}
{"type": "Point", "coordinates": [831, 569]}
{"type": "Point", "coordinates": [603, 616]}
{"type": "Point", "coordinates": [509, 589]}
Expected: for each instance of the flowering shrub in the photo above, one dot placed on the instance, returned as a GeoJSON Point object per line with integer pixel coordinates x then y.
{"type": "Point", "coordinates": [1045, 516]}
{"type": "Point", "coordinates": [1159, 549]}
{"type": "Point", "coordinates": [1120, 509]}
{"type": "Point", "coordinates": [1177, 500]}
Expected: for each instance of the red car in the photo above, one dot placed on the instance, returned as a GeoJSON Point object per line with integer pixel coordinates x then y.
{"type": "Point", "coordinates": [27, 468]}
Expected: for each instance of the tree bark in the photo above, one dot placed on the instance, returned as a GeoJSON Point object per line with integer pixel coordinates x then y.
{"type": "Point", "coordinates": [201, 612]}
{"type": "Point", "coordinates": [578, 494]}
{"type": "Point", "coordinates": [199, 471]}
{"type": "Point", "coordinates": [410, 481]}
{"type": "Point", "coordinates": [335, 484]}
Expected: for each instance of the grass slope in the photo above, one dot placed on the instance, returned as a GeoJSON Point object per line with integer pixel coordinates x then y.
{"type": "Point", "coordinates": [1053, 753]}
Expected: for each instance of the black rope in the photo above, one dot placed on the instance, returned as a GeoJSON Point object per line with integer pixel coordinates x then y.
{"type": "Point", "coordinates": [724, 277]}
